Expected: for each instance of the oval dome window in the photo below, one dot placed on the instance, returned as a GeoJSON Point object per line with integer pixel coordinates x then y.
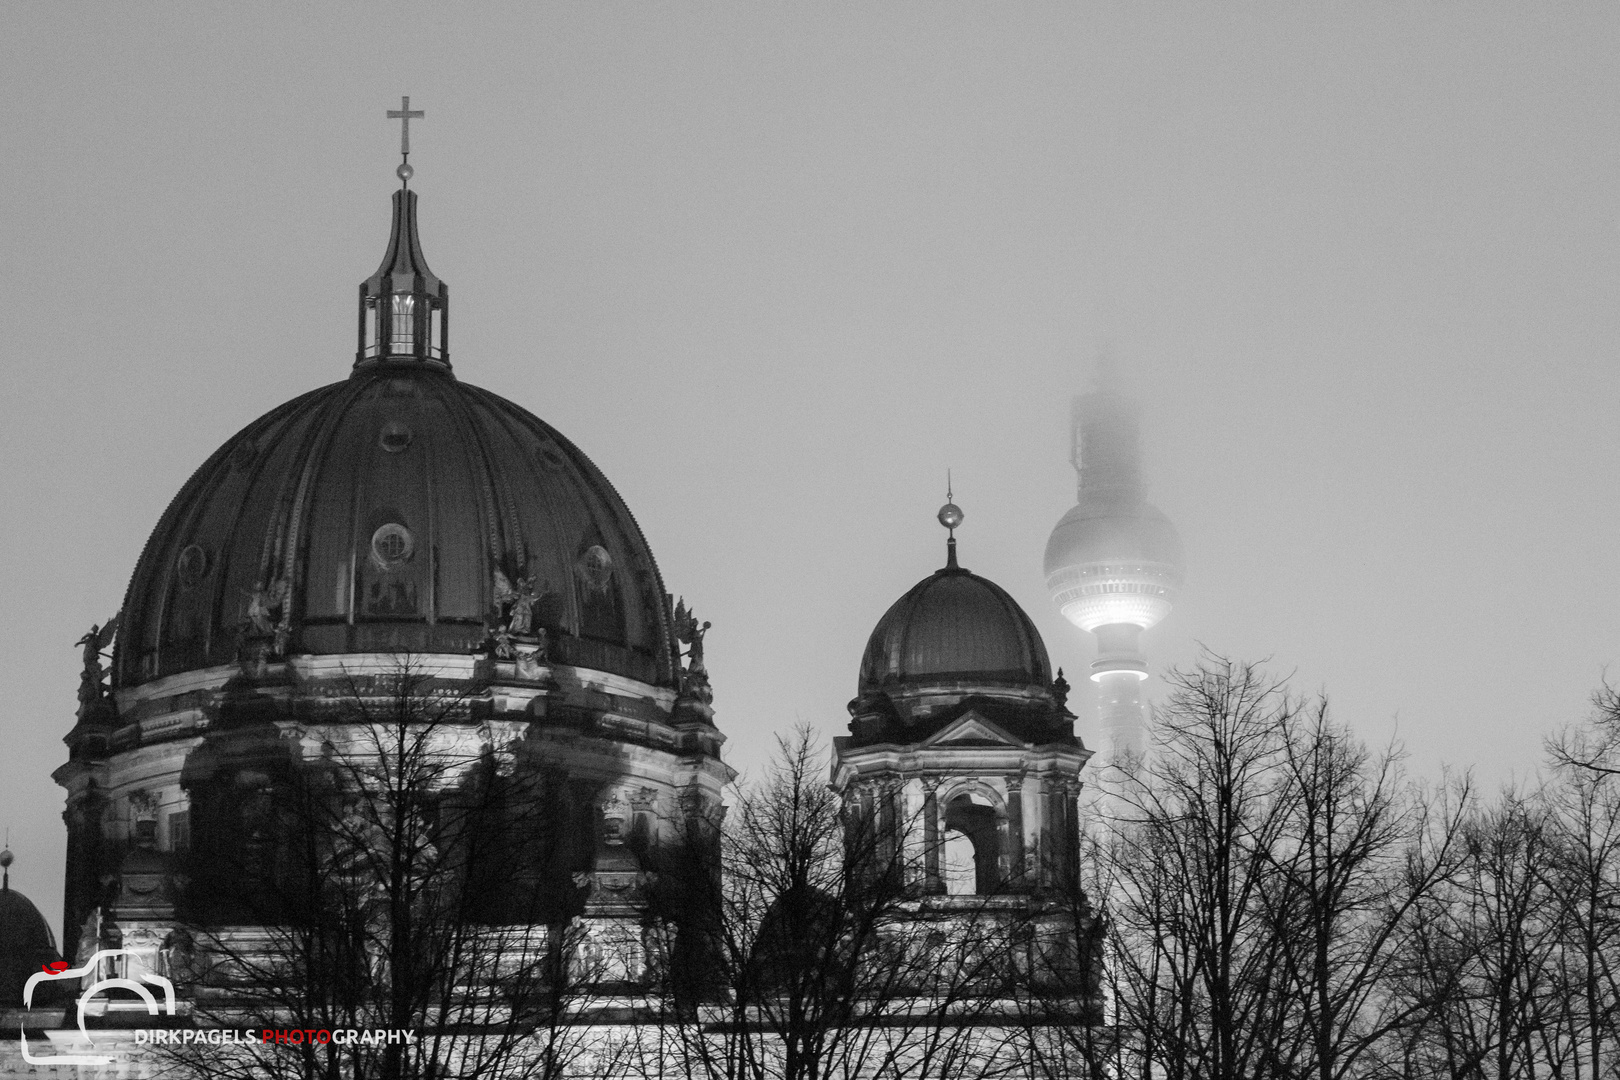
{"type": "Point", "coordinates": [392, 545]}
{"type": "Point", "coordinates": [596, 566]}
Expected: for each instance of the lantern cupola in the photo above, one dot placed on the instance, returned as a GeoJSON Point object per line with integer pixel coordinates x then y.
{"type": "Point", "coordinates": [404, 308]}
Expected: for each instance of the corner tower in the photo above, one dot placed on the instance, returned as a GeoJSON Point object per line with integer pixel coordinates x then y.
{"type": "Point", "coordinates": [961, 749]}
{"type": "Point", "coordinates": [1113, 563]}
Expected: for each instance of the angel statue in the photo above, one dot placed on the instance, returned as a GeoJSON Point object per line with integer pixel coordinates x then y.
{"type": "Point", "coordinates": [264, 604]}
{"type": "Point", "coordinates": [688, 632]}
{"type": "Point", "coordinates": [265, 631]}
{"type": "Point", "coordinates": [516, 602]}
{"type": "Point", "coordinates": [95, 645]}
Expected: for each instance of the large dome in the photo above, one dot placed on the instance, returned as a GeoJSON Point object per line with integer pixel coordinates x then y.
{"type": "Point", "coordinates": [400, 511]}
{"type": "Point", "coordinates": [954, 626]}
{"type": "Point", "coordinates": [378, 513]}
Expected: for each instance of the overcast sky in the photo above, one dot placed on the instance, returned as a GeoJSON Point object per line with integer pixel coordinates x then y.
{"type": "Point", "coordinates": [776, 267]}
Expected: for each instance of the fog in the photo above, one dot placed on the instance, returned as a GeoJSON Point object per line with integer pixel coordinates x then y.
{"type": "Point", "coordinates": [775, 270]}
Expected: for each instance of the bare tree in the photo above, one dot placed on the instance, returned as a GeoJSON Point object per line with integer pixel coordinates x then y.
{"type": "Point", "coordinates": [1487, 952]}
{"type": "Point", "coordinates": [1360, 852]}
{"type": "Point", "coordinates": [811, 954]}
{"type": "Point", "coordinates": [1583, 876]}
{"type": "Point", "coordinates": [377, 861]}
{"type": "Point", "coordinates": [1202, 975]}
{"type": "Point", "coordinates": [1595, 746]}
{"type": "Point", "coordinates": [1261, 891]}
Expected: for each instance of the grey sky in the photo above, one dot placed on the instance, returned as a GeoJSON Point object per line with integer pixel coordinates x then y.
{"type": "Point", "coordinates": [775, 268]}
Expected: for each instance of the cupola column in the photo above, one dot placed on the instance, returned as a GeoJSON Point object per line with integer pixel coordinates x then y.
{"type": "Point", "coordinates": [1015, 827]}
{"type": "Point", "coordinates": [932, 884]}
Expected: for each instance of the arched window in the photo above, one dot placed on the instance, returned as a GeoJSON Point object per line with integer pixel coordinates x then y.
{"type": "Point", "coordinates": [958, 865]}
{"type": "Point", "coordinates": [972, 846]}
{"type": "Point", "coordinates": [402, 338]}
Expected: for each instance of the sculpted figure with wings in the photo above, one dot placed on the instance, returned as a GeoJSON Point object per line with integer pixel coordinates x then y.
{"type": "Point", "coordinates": [514, 616]}
{"type": "Point", "coordinates": [95, 645]}
{"type": "Point", "coordinates": [688, 632]}
{"type": "Point", "coordinates": [265, 604]}
{"type": "Point", "coordinates": [516, 602]}
{"type": "Point", "coordinates": [267, 627]}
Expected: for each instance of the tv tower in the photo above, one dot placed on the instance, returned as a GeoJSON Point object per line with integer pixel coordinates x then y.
{"type": "Point", "coordinates": [1113, 563]}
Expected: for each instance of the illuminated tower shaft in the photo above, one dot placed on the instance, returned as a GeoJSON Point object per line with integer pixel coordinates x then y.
{"type": "Point", "coordinates": [1113, 563]}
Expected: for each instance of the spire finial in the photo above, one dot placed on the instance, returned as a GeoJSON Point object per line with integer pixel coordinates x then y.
{"type": "Point", "coordinates": [950, 516]}
{"type": "Point", "coordinates": [405, 114]}
{"type": "Point", "coordinates": [6, 859]}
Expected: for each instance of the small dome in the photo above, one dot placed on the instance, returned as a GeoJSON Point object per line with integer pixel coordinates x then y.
{"type": "Point", "coordinates": [954, 626]}
{"type": "Point", "coordinates": [26, 943]}
{"type": "Point", "coordinates": [382, 514]}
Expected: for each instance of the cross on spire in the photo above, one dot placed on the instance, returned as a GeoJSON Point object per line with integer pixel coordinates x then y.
{"type": "Point", "coordinates": [405, 114]}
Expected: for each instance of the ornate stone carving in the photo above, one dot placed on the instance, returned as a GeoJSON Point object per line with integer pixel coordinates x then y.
{"type": "Point", "coordinates": [268, 626]}
{"type": "Point", "coordinates": [92, 685]}
{"type": "Point", "coordinates": [179, 960]}
{"type": "Point", "coordinates": [615, 813]}
{"type": "Point", "coordinates": [515, 601]}
{"type": "Point", "coordinates": [143, 814]}
{"type": "Point", "coordinates": [1060, 690]}
{"type": "Point", "coordinates": [689, 632]}
{"type": "Point", "coordinates": [513, 625]}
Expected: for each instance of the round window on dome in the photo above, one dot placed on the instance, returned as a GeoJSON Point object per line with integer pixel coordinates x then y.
{"type": "Point", "coordinates": [394, 437]}
{"type": "Point", "coordinates": [596, 566]}
{"type": "Point", "coordinates": [392, 546]}
{"type": "Point", "coordinates": [192, 565]}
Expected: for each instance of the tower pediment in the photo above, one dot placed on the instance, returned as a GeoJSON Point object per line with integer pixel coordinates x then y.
{"type": "Point", "coordinates": [973, 728]}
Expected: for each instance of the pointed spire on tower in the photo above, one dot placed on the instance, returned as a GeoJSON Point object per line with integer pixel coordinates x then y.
{"type": "Point", "coordinates": [404, 308]}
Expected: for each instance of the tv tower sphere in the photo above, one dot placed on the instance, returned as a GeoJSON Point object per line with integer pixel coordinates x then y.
{"type": "Point", "coordinates": [1113, 563]}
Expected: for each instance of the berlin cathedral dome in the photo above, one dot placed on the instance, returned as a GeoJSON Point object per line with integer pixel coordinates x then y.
{"type": "Point", "coordinates": [387, 512]}
{"type": "Point", "coordinates": [399, 544]}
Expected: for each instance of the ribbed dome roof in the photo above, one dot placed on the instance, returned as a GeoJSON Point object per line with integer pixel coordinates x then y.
{"type": "Point", "coordinates": [381, 508]}
{"type": "Point", "coordinates": [954, 626]}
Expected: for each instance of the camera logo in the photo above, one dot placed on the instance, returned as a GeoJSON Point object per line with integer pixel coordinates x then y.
{"type": "Point", "coordinates": [90, 992]}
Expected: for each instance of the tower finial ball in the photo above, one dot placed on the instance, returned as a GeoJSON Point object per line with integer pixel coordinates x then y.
{"type": "Point", "coordinates": [7, 858]}
{"type": "Point", "coordinates": [950, 516]}
{"type": "Point", "coordinates": [405, 172]}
